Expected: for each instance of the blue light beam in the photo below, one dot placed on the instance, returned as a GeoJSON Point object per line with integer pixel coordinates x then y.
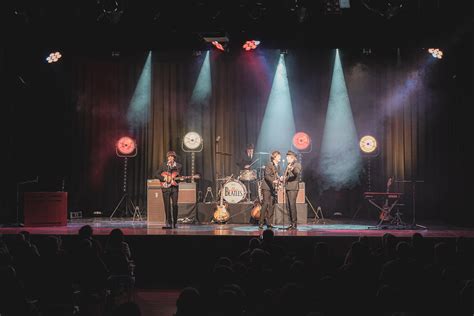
{"type": "Point", "coordinates": [340, 160]}
{"type": "Point", "coordinates": [139, 108]}
{"type": "Point", "coordinates": [198, 119]}
{"type": "Point", "coordinates": [278, 126]}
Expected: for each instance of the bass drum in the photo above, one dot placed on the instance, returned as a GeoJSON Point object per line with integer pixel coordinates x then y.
{"type": "Point", "coordinates": [234, 191]}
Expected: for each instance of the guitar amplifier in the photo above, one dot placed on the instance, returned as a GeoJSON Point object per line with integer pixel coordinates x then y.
{"type": "Point", "coordinates": [45, 208]}
{"type": "Point", "coordinates": [155, 206]}
{"type": "Point", "coordinates": [300, 198]}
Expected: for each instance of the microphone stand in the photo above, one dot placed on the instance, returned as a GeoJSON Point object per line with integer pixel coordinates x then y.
{"type": "Point", "coordinates": [284, 197]}
{"type": "Point", "coordinates": [17, 223]}
{"type": "Point", "coordinates": [413, 196]}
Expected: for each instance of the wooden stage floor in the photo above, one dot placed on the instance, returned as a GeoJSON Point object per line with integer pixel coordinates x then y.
{"type": "Point", "coordinates": [103, 226]}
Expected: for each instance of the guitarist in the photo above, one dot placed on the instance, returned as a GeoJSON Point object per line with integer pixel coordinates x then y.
{"type": "Point", "coordinates": [269, 189]}
{"type": "Point", "coordinates": [171, 188]}
{"type": "Point", "coordinates": [292, 175]}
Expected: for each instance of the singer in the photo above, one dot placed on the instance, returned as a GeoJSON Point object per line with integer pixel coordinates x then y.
{"type": "Point", "coordinates": [292, 175]}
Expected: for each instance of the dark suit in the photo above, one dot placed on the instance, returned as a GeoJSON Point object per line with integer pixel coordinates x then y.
{"type": "Point", "coordinates": [245, 160]}
{"type": "Point", "coordinates": [291, 189]}
{"type": "Point", "coordinates": [269, 193]}
{"type": "Point", "coordinates": [170, 194]}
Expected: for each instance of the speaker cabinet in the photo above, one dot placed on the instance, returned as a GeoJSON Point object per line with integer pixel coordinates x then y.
{"type": "Point", "coordinates": [45, 208]}
{"type": "Point", "coordinates": [281, 216]}
{"type": "Point", "coordinates": [155, 207]}
{"type": "Point", "coordinates": [300, 198]}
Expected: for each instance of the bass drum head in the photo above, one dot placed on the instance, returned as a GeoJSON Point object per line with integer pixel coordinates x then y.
{"type": "Point", "coordinates": [234, 191]}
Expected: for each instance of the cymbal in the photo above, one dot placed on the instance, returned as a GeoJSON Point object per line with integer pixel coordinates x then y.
{"type": "Point", "coordinates": [262, 153]}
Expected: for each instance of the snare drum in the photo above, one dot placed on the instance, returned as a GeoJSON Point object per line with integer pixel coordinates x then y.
{"type": "Point", "coordinates": [248, 175]}
{"type": "Point", "coordinates": [234, 191]}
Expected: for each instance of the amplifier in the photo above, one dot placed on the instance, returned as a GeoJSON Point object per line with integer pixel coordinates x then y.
{"type": "Point", "coordinates": [300, 198]}
{"type": "Point", "coordinates": [155, 206]}
{"type": "Point", "coordinates": [45, 208]}
{"type": "Point", "coordinates": [281, 216]}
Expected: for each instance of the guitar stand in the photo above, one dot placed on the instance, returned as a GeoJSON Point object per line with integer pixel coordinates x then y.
{"type": "Point", "coordinates": [397, 219]}
{"type": "Point", "coordinates": [379, 225]}
{"type": "Point", "coordinates": [209, 192]}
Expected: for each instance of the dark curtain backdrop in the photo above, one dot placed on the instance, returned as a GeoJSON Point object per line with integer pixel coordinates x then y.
{"type": "Point", "coordinates": [412, 131]}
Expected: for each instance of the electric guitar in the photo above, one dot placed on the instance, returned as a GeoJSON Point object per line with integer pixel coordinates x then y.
{"type": "Point", "coordinates": [172, 178]}
{"type": "Point", "coordinates": [385, 214]}
{"type": "Point", "coordinates": [221, 214]}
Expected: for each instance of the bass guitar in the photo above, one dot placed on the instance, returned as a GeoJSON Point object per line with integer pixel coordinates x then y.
{"type": "Point", "coordinates": [172, 178]}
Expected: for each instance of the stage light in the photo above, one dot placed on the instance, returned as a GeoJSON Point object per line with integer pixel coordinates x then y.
{"type": "Point", "coordinates": [218, 45]}
{"type": "Point", "coordinates": [332, 7]}
{"type": "Point", "coordinates": [111, 10]}
{"type": "Point", "coordinates": [436, 52]}
{"type": "Point", "coordinates": [126, 147]}
{"type": "Point", "coordinates": [250, 45]}
{"type": "Point", "coordinates": [368, 144]}
{"type": "Point", "coordinates": [301, 141]}
{"type": "Point", "coordinates": [53, 57]}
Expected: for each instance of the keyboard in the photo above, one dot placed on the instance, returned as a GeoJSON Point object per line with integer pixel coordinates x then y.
{"type": "Point", "coordinates": [385, 195]}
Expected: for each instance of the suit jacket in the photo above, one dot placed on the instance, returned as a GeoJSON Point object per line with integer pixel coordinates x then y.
{"type": "Point", "coordinates": [245, 160]}
{"type": "Point", "coordinates": [164, 167]}
{"type": "Point", "coordinates": [271, 173]}
{"type": "Point", "coordinates": [292, 179]}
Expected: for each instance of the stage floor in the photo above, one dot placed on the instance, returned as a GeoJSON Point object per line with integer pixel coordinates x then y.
{"type": "Point", "coordinates": [103, 226]}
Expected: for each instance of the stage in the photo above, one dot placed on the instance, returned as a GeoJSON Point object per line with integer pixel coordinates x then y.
{"type": "Point", "coordinates": [318, 228]}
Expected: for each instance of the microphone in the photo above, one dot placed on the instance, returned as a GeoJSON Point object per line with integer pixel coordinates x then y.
{"type": "Point", "coordinates": [218, 138]}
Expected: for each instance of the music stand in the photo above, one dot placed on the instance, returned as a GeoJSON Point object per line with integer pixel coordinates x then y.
{"type": "Point", "coordinates": [413, 196]}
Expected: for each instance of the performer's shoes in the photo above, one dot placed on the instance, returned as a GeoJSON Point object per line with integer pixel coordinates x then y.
{"type": "Point", "coordinates": [260, 226]}
{"type": "Point", "coordinates": [292, 226]}
{"type": "Point", "coordinates": [174, 225]}
{"type": "Point", "coordinates": [166, 227]}
{"type": "Point", "coordinates": [270, 226]}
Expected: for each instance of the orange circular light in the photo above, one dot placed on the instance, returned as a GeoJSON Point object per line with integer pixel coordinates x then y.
{"type": "Point", "coordinates": [125, 145]}
{"type": "Point", "coordinates": [301, 141]}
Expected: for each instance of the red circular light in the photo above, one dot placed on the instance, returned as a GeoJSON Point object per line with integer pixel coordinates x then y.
{"type": "Point", "coordinates": [125, 145]}
{"type": "Point", "coordinates": [301, 141]}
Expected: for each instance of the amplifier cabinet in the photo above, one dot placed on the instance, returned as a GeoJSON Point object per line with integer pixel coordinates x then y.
{"type": "Point", "coordinates": [45, 208]}
{"type": "Point", "coordinates": [300, 198]}
{"type": "Point", "coordinates": [154, 205]}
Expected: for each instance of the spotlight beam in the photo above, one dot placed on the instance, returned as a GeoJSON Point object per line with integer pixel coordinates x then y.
{"type": "Point", "coordinates": [340, 161]}
{"type": "Point", "coordinates": [139, 108]}
{"type": "Point", "coordinates": [278, 126]}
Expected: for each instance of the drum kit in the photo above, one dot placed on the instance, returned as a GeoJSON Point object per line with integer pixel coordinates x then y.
{"type": "Point", "coordinates": [233, 190]}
